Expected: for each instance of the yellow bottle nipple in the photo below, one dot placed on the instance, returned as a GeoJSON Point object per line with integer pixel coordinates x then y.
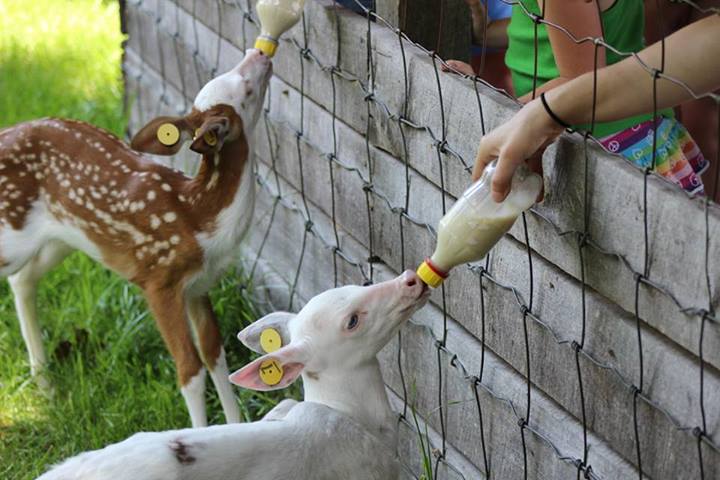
{"type": "Point", "coordinates": [266, 45]}
{"type": "Point", "coordinates": [430, 274]}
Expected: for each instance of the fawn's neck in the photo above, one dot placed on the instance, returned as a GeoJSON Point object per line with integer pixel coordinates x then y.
{"type": "Point", "coordinates": [360, 394]}
{"type": "Point", "coordinates": [220, 173]}
{"type": "Point", "coordinates": [219, 178]}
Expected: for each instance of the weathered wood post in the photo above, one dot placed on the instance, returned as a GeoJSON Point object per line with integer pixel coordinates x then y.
{"type": "Point", "coordinates": [440, 25]}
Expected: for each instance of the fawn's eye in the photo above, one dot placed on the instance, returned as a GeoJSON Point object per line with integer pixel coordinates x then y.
{"type": "Point", "coordinates": [353, 322]}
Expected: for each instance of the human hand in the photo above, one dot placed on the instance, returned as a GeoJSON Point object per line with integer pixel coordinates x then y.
{"type": "Point", "coordinates": [523, 137]}
{"type": "Point", "coordinates": [455, 66]}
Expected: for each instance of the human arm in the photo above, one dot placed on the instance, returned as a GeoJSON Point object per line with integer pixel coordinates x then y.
{"type": "Point", "coordinates": [496, 35]}
{"type": "Point", "coordinates": [581, 18]}
{"type": "Point", "coordinates": [478, 15]}
{"type": "Point", "coordinates": [623, 90]}
{"type": "Point", "coordinates": [490, 36]}
{"type": "Point", "coordinates": [488, 33]}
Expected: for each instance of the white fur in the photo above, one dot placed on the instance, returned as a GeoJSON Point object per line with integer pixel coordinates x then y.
{"type": "Point", "coordinates": [24, 287]}
{"type": "Point", "coordinates": [226, 89]}
{"type": "Point", "coordinates": [194, 395]}
{"type": "Point", "coordinates": [219, 376]}
{"type": "Point", "coordinates": [19, 246]}
{"type": "Point", "coordinates": [312, 441]}
{"type": "Point", "coordinates": [343, 430]}
{"type": "Point", "coordinates": [243, 88]}
{"type": "Point", "coordinates": [231, 226]}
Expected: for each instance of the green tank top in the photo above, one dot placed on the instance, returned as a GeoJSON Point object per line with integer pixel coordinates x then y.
{"type": "Point", "coordinates": [623, 26]}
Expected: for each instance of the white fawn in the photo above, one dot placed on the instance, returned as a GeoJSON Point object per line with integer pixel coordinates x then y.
{"type": "Point", "coordinates": [66, 185]}
{"type": "Point", "coordinates": [344, 428]}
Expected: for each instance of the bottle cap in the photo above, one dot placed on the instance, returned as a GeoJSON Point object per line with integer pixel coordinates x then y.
{"type": "Point", "coordinates": [430, 274]}
{"type": "Point", "coordinates": [266, 45]}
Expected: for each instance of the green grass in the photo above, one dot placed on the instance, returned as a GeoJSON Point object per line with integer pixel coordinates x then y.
{"type": "Point", "coordinates": [111, 371]}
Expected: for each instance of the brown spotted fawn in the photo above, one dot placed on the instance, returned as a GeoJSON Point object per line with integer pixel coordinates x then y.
{"type": "Point", "coordinates": [66, 185]}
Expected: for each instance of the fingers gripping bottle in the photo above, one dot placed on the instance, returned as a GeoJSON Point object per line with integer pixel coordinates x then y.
{"type": "Point", "coordinates": [276, 17]}
{"type": "Point", "coordinates": [475, 223]}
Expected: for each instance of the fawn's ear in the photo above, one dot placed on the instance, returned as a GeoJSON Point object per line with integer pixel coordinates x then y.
{"type": "Point", "coordinates": [268, 334]}
{"type": "Point", "coordinates": [211, 135]}
{"type": "Point", "coordinates": [162, 136]}
{"type": "Point", "coordinates": [273, 371]}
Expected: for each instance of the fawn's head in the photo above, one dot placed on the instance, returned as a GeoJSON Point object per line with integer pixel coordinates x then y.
{"type": "Point", "coordinates": [225, 110]}
{"type": "Point", "coordinates": [339, 329]}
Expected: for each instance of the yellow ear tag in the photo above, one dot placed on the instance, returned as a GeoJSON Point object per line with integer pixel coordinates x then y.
{"type": "Point", "coordinates": [168, 134]}
{"type": "Point", "coordinates": [270, 340]}
{"type": "Point", "coordinates": [271, 372]}
{"type": "Point", "coordinates": [210, 138]}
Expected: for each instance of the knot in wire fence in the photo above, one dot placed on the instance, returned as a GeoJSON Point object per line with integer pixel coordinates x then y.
{"type": "Point", "coordinates": [585, 345]}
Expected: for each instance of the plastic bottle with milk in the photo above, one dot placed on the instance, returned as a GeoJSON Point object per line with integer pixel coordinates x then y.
{"type": "Point", "coordinates": [276, 17]}
{"type": "Point", "coordinates": [475, 223]}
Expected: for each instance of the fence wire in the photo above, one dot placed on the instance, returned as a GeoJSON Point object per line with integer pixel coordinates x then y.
{"type": "Point", "coordinates": [204, 68]}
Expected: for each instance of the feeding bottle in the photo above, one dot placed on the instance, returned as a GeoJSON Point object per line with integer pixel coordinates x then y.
{"type": "Point", "coordinates": [276, 17]}
{"type": "Point", "coordinates": [475, 223]}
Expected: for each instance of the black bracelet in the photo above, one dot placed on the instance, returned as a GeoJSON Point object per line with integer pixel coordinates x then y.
{"type": "Point", "coordinates": [557, 119]}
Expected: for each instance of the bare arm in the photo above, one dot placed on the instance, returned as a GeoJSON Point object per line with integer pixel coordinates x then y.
{"type": "Point", "coordinates": [496, 36]}
{"type": "Point", "coordinates": [623, 90]}
{"type": "Point", "coordinates": [582, 19]}
{"type": "Point", "coordinates": [478, 14]}
{"type": "Point", "coordinates": [492, 34]}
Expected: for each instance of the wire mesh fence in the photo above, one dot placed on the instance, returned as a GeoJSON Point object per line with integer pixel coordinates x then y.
{"type": "Point", "coordinates": [367, 225]}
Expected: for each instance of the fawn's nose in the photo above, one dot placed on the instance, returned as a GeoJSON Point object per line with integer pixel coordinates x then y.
{"type": "Point", "coordinates": [254, 58]}
{"type": "Point", "coordinates": [410, 283]}
{"type": "Point", "coordinates": [410, 278]}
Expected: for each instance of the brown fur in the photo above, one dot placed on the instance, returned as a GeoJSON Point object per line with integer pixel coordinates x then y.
{"type": "Point", "coordinates": [142, 216]}
{"type": "Point", "coordinates": [206, 327]}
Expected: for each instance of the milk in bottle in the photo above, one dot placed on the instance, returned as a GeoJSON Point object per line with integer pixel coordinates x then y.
{"type": "Point", "coordinates": [276, 17]}
{"type": "Point", "coordinates": [475, 223]}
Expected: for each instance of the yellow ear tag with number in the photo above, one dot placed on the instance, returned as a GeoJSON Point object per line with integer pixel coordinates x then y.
{"type": "Point", "coordinates": [168, 134]}
{"type": "Point", "coordinates": [270, 340]}
{"type": "Point", "coordinates": [271, 372]}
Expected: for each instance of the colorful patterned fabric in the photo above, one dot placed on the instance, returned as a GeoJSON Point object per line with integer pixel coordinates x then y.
{"type": "Point", "coordinates": [678, 157]}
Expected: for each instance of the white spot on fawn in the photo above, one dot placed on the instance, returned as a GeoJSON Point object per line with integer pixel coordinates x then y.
{"type": "Point", "coordinates": [166, 187]}
{"type": "Point", "coordinates": [170, 217]}
{"type": "Point", "coordinates": [213, 180]}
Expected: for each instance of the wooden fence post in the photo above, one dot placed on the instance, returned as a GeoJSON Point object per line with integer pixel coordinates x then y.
{"type": "Point", "coordinates": [440, 25]}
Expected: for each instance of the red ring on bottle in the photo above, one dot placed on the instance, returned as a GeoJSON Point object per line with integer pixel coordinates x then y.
{"type": "Point", "coordinates": [435, 269]}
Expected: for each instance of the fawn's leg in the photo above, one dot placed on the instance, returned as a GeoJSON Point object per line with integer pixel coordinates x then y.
{"type": "Point", "coordinates": [168, 306]}
{"type": "Point", "coordinates": [24, 286]}
{"type": "Point", "coordinates": [210, 342]}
